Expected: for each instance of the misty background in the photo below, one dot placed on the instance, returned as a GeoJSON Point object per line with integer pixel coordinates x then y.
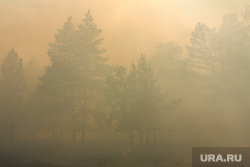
{"type": "Point", "coordinates": [29, 25]}
{"type": "Point", "coordinates": [120, 83]}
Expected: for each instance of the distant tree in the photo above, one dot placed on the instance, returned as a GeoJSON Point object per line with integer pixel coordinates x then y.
{"type": "Point", "coordinates": [13, 84]}
{"type": "Point", "coordinates": [118, 98]}
{"type": "Point", "coordinates": [146, 100]}
{"type": "Point", "coordinates": [168, 63]}
{"type": "Point", "coordinates": [246, 26]}
{"type": "Point", "coordinates": [230, 44]}
{"type": "Point", "coordinates": [167, 58]}
{"type": "Point", "coordinates": [3, 119]}
{"type": "Point", "coordinates": [32, 72]}
{"type": "Point", "coordinates": [201, 56]}
{"type": "Point", "coordinates": [203, 62]}
{"type": "Point", "coordinates": [246, 18]}
{"type": "Point", "coordinates": [135, 97]}
{"type": "Point", "coordinates": [232, 48]}
{"type": "Point", "coordinates": [232, 36]}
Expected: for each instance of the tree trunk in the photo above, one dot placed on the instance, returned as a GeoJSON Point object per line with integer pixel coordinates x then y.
{"type": "Point", "coordinates": [11, 125]}
{"type": "Point", "coordinates": [154, 142]}
{"type": "Point", "coordinates": [53, 132]}
{"type": "Point", "coordinates": [11, 128]}
{"type": "Point", "coordinates": [33, 128]}
{"type": "Point", "coordinates": [84, 113]}
{"type": "Point", "coordinates": [60, 135]}
{"type": "Point", "coordinates": [131, 138]}
{"type": "Point", "coordinates": [147, 138]}
{"type": "Point", "coordinates": [83, 125]}
{"type": "Point", "coordinates": [83, 133]}
{"type": "Point", "coordinates": [73, 127]}
{"type": "Point", "coordinates": [140, 133]}
{"type": "Point", "coordinates": [74, 136]}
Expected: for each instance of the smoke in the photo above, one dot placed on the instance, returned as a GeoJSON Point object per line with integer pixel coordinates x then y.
{"type": "Point", "coordinates": [129, 27]}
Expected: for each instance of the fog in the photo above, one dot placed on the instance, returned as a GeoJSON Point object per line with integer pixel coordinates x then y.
{"type": "Point", "coordinates": [122, 83]}
{"type": "Point", "coordinates": [28, 26]}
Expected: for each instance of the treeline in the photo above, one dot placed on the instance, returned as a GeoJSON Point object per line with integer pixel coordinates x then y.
{"type": "Point", "coordinates": [80, 94]}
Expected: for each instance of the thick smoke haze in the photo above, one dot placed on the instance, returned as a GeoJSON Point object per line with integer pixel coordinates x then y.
{"type": "Point", "coordinates": [129, 27]}
{"type": "Point", "coordinates": [161, 77]}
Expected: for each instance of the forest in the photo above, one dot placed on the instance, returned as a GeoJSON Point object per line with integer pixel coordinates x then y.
{"type": "Point", "coordinates": [80, 110]}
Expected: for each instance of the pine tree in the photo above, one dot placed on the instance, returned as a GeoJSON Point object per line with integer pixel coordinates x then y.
{"type": "Point", "coordinates": [56, 85]}
{"type": "Point", "coordinates": [246, 27]}
{"type": "Point", "coordinates": [134, 97]}
{"type": "Point", "coordinates": [13, 84]}
{"type": "Point", "coordinates": [32, 73]}
{"type": "Point", "coordinates": [74, 78]}
{"type": "Point", "coordinates": [90, 66]}
{"type": "Point", "coordinates": [200, 53]}
{"type": "Point", "coordinates": [230, 44]}
{"type": "Point", "coordinates": [232, 48]}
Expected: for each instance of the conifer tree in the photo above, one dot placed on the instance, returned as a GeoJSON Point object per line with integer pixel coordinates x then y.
{"type": "Point", "coordinates": [13, 84]}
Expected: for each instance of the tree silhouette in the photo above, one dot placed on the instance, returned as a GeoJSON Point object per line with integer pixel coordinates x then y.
{"type": "Point", "coordinates": [13, 84]}
{"type": "Point", "coordinates": [232, 48]}
{"type": "Point", "coordinates": [56, 84]}
{"type": "Point", "coordinates": [134, 98]}
{"type": "Point", "coordinates": [246, 26]}
{"type": "Point", "coordinates": [90, 66]}
{"type": "Point", "coordinates": [74, 79]}
{"type": "Point", "coordinates": [200, 53]}
{"type": "Point", "coordinates": [32, 72]}
{"type": "Point", "coordinates": [168, 64]}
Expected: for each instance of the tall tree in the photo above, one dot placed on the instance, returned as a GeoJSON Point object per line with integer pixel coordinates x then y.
{"type": "Point", "coordinates": [246, 26]}
{"type": "Point", "coordinates": [74, 78]}
{"type": "Point", "coordinates": [56, 86]}
{"type": "Point", "coordinates": [200, 53]}
{"type": "Point", "coordinates": [246, 19]}
{"type": "Point", "coordinates": [32, 72]}
{"type": "Point", "coordinates": [202, 60]}
{"type": "Point", "coordinates": [90, 66]}
{"type": "Point", "coordinates": [230, 43]}
{"type": "Point", "coordinates": [232, 48]}
{"type": "Point", "coordinates": [13, 84]}
{"type": "Point", "coordinates": [134, 98]}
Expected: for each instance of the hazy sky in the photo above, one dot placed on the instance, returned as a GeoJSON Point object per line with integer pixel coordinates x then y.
{"type": "Point", "coordinates": [130, 27]}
